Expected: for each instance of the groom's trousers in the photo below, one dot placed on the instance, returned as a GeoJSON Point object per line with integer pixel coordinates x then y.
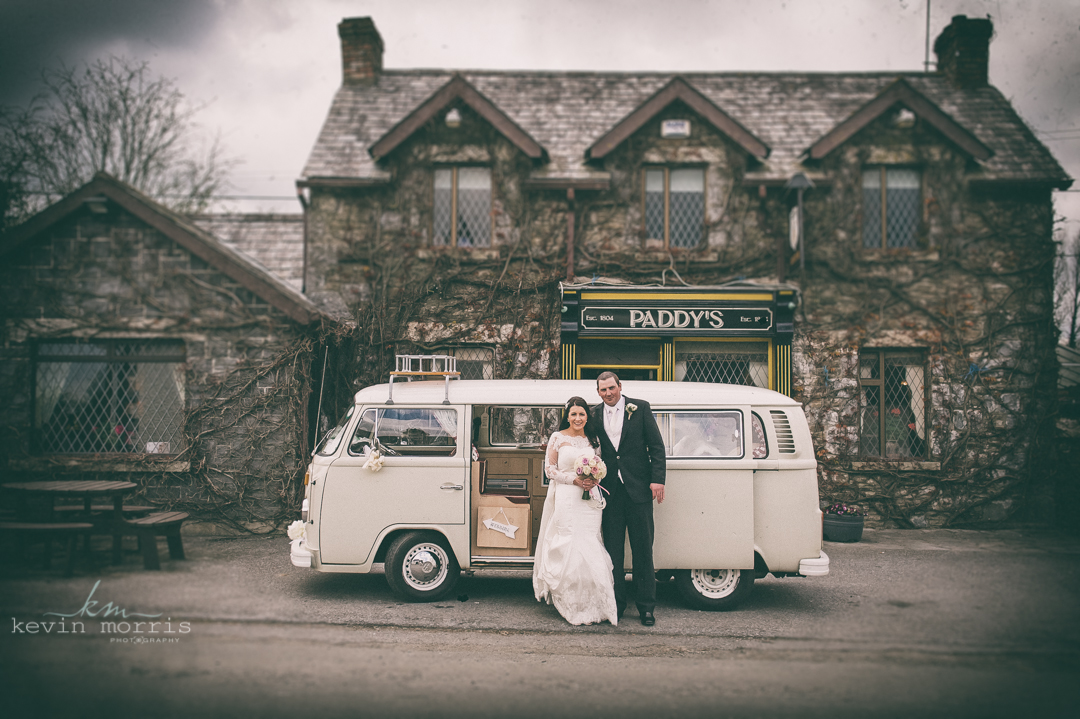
{"type": "Point", "coordinates": [622, 515]}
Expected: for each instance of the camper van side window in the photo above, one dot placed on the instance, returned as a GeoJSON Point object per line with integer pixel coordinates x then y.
{"type": "Point", "coordinates": [715, 433]}
{"type": "Point", "coordinates": [523, 425]}
{"type": "Point", "coordinates": [407, 431]}
{"type": "Point", "coordinates": [761, 445]}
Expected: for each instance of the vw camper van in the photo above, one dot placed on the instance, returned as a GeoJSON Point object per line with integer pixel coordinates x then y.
{"type": "Point", "coordinates": [430, 478]}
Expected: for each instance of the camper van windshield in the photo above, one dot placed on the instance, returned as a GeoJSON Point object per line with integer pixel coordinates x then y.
{"type": "Point", "coordinates": [332, 438]}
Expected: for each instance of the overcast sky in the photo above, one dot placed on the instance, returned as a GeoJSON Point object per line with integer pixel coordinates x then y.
{"type": "Point", "coordinates": [269, 68]}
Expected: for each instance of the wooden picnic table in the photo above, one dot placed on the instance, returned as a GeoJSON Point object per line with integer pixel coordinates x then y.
{"type": "Point", "coordinates": [88, 491]}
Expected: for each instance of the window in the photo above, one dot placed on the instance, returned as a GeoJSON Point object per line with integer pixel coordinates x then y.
{"type": "Point", "coordinates": [121, 396]}
{"type": "Point", "coordinates": [891, 202]}
{"type": "Point", "coordinates": [462, 207]}
{"type": "Point", "coordinates": [716, 433]}
{"type": "Point", "coordinates": [893, 405]}
{"type": "Point", "coordinates": [523, 425]}
{"type": "Point", "coordinates": [472, 362]}
{"type": "Point", "coordinates": [407, 432]}
{"type": "Point", "coordinates": [745, 363]}
{"type": "Point", "coordinates": [675, 206]}
{"type": "Point", "coordinates": [332, 438]}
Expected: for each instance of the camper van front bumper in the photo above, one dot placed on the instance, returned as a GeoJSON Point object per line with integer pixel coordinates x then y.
{"type": "Point", "coordinates": [300, 555]}
{"type": "Point", "coordinates": [817, 567]}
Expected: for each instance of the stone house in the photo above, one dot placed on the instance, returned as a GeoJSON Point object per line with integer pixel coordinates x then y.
{"type": "Point", "coordinates": [134, 342]}
{"type": "Point", "coordinates": [877, 245]}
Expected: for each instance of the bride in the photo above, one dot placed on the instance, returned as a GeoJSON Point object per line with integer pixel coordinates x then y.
{"type": "Point", "coordinates": [572, 568]}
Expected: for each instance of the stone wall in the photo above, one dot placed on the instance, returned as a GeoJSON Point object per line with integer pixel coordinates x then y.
{"type": "Point", "coordinates": [246, 376]}
{"type": "Point", "coordinates": [974, 295]}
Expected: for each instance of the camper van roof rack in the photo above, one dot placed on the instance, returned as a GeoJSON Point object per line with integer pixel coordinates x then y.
{"type": "Point", "coordinates": [422, 366]}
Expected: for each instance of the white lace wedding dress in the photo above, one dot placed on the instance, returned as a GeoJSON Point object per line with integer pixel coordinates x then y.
{"type": "Point", "coordinates": [572, 570]}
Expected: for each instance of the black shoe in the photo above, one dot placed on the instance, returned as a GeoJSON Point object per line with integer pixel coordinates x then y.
{"type": "Point", "coordinates": [648, 619]}
{"type": "Point", "coordinates": [620, 611]}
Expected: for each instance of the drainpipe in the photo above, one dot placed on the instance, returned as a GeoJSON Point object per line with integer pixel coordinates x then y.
{"type": "Point", "coordinates": [570, 234]}
{"type": "Point", "coordinates": [303, 270]}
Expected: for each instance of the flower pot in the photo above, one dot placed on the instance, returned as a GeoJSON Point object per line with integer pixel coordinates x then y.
{"type": "Point", "coordinates": [842, 527]}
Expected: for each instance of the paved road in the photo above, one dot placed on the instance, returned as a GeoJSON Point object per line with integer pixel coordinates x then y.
{"type": "Point", "coordinates": [930, 623]}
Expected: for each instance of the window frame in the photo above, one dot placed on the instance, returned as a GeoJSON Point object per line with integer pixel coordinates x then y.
{"type": "Point", "coordinates": [670, 449]}
{"type": "Point", "coordinates": [453, 350]}
{"type": "Point", "coordinates": [173, 351]}
{"type": "Point", "coordinates": [454, 216]}
{"type": "Point", "coordinates": [883, 213]}
{"type": "Point", "coordinates": [883, 354]}
{"type": "Point", "coordinates": [395, 450]}
{"type": "Point", "coordinates": [667, 170]}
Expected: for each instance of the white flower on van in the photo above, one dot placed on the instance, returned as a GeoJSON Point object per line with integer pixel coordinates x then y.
{"type": "Point", "coordinates": [297, 530]}
{"type": "Point", "coordinates": [630, 408]}
{"type": "Point", "coordinates": [374, 461]}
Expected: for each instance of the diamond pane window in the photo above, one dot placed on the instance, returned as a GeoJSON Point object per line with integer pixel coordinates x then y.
{"type": "Point", "coordinates": [462, 207]}
{"type": "Point", "coordinates": [674, 207]}
{"type": "Point", "coordinates": [745, 363]}
{"type": "Point", "coordinates": [892, 404]}
{"type": "Point", "coordinates": [891, 204]}
{"type": "Point", "coordinates": [472, 362]}
{"type": "Point", "coordinates": [123, 396]}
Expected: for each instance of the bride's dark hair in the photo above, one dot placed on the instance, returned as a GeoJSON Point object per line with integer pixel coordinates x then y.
{"type": "Point", "coordinates": [590, 426]}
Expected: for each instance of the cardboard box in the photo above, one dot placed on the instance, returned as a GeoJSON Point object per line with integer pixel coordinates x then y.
{"type": "Point", "coordinates": [519, 517]}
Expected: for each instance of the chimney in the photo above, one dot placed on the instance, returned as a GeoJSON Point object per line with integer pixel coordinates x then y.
{"type": "Point", "coordinates": [361, 51]}
{"type": "Point", "coordinates": [963, 51]}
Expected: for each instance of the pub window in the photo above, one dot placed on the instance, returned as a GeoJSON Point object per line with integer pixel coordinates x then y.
{"type": "Point", "coordinates": [675, 206]}
{"type": "Point", "coordinates": [472, 362]}
{"type": "Point", "coordinates": [891, 202]}
{"type": "Point", "coordinates": [109, 396]}
{"type": "Point", "coordinates": [892, 390]}
{"type": "Point", "coordinates": [745, 363]}
{"type": "Point", "coordinates": [462, 207]}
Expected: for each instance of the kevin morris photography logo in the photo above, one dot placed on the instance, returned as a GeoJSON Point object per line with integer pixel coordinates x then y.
{"type": "Point", "coordinates": [121, 625]}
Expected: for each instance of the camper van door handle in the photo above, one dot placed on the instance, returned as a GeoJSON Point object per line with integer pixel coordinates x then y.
{"type": "Point", "coordinates": [453, 486]}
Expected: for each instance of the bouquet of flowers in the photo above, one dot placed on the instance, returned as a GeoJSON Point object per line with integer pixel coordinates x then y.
{"type": "Point", "coordinates": [590, 467]}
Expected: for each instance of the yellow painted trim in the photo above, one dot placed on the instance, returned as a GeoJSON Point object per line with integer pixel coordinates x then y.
{"type": "Point", "coordinates": [614, 368]}
{"type": "Point", "coordinates": [658, 296]}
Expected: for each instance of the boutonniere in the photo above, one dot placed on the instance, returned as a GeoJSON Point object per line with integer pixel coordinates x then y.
{"type": "Point", "coordinates": [630, 408]}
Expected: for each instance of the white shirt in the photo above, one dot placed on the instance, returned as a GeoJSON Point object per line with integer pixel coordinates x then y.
{"type": "Point", "coordinates": [613, 421]}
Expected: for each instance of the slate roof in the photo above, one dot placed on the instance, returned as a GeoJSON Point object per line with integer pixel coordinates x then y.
{"type": "Point", "coordinates": [566, 112]}
{"type": "Point", "coordinates": [275, 241]}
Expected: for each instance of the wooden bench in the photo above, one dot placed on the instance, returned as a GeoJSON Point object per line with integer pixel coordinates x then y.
{"type": "Point", "coordinates": [129, 510]}
{"type": "Point", "coordinates": [48, 531]}
{"type": "Point", "coordinates": [152, 526]}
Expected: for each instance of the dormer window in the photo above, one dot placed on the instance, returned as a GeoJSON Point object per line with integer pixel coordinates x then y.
{"type": "Point", "coordinates": [890, 207]}
{"type": "Point", "coordinates": [462, 207]}
{"type": "Point", "coordinates": [675, 206]}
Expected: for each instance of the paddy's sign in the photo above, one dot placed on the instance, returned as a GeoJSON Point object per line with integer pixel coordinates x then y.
{"type": "Point", "coordinates": [704, 320]}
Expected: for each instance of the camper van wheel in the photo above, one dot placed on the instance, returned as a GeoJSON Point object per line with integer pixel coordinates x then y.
{"type": "Point", "coordinates": [714, 589]}
{"type": "Point", "coordinates": [421, 567]}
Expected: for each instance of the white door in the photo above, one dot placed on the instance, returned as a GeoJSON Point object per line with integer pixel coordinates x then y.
{"type": "Point", "coordinates": [707, 518]}
{"type": "Point", "coordinates": [422, 481]}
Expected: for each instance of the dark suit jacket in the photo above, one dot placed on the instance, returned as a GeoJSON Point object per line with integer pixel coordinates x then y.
{"type": "Point", "coordinates": [640, 458]}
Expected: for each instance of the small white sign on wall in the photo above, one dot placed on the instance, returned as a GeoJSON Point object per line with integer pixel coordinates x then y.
{"type": "Point", "coordinates": [675, 128]}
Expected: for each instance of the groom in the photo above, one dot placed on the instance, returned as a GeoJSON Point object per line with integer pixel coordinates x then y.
{"type": "Point", "coordinates": [633, 450]}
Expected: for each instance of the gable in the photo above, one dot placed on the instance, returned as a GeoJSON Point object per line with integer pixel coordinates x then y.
{"type": "Point", "coordinates": [678, 90]}
{"type": "Point", "coordinates": [457, 89]}
{"type": "Point", "coordinates": [899, 93]}
{"type": "Point", "coordinates": [175, 227]}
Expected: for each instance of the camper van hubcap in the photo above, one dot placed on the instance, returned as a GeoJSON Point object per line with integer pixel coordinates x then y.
{"type": "Point", "coordinates": [425, 565]}
{"type": "Point", "coordinates": [715, 583]}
